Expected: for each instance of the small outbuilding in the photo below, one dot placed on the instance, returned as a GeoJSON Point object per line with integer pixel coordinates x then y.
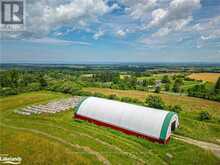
{"type": "Point", "coordinates": [153, 124]}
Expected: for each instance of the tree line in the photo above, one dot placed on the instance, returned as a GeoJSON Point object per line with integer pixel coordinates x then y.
{"type": "Point", "coordinates": [18, 81]}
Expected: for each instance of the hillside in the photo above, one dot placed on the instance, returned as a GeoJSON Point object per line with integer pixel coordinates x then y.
{"type": "Point", "coordinates": [66, 141]}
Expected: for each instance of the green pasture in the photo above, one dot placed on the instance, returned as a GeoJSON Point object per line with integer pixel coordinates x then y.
{"type": "Point", "coordinates": [59, 139]}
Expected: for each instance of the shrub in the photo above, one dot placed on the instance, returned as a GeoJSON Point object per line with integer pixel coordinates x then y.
{"type": "Point", "coordinates": [177, 85]}
{"type": "Point", "coordinates": [204, 116]}
{"type": "Point", "coordinates": [34, 87]}
{"type": "Point", "coordinates": [157, 89]}
{"type": "Point", "coordinates": [126, 99]}
{"type": "Point", "coordinates": [217, 97]}
{"type": "Point", "coordinates": [8, 91]}
{"type": "Point", "coordinates": [155, 102]}
{"type": "Point", "coordinates": [130, 100]}
{"type": "Point", "coordinates": [96, 94]}
{"type": "Point", "coordinates": [83, 93]}
{"type": "Point", "coordinates": [151, 81]}
{"type": "Point", "coordinates": [113, 97]}
{"type": "Point", "coordinates": [165, 79]}
{"type": "Point", "coordinates": [175, 108]}
{"type": "Point", "coordinates": [198, 91]}
{"type": "Point", "coordinates": [217, 86]}
{"type": "Point", "coordinates": [167, 87]}
{"type": "Point", "coordinates": [134, 100]}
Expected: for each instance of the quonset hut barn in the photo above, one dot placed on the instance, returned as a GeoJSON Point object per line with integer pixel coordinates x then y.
{"type": "Point", "coordinates": [153, 124]}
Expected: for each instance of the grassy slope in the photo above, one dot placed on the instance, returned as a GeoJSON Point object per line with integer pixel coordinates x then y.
{"type": "Point", "coordinates": [57, 138]}
{"type": "Point", "coordinates": [190, 126]}
{"type": "Point", "coordinates": [24, 99]}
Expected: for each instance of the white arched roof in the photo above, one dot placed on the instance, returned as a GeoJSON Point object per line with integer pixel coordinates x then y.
{"type": "Point", "coordinates": [145, 121]}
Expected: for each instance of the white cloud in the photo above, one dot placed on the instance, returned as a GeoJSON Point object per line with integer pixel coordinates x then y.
{"type": "Point", "coordinates": [153, 42]}
{"type": "Point", "coordinates": [206, 38]}
{"type": "Point", "coordinates": [180, 23]}
{"type": "Point", "coordinates": [99, 34]}
{"type": "Point", "coordinates": [58, 34]}
{"type": "Point", "coordinates": [182, 8]}
{"type": "Point", "coordinates": [173, 18]}
{"type": "Point", "coordinates": [120, 33]}
{"type": "Point", "coordinates": [156, 19]}
{"type": "Point", "coordinates": [139, 8]}
{"type": "Point", "coordinates": [54, 41]}
{"type": "Point", "coordinates": [42, 16]}
{"type": "Point", "coordinates": [208, 30]}
{"type": "Point", "coordinates": [162, 32]}
{"type": "Point", "coordinates": [157, 16]}
{"type": "Point", "coordinates": [173, 26]}
{"type": "Point", "coordinates": [177, 10]}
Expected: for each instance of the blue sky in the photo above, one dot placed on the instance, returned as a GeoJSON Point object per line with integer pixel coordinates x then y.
{"type": "Point", "coordinates": [96, 31]}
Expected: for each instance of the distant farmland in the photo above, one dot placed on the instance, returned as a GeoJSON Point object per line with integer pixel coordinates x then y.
{"type": "Point", "coordinates": [210, 77]}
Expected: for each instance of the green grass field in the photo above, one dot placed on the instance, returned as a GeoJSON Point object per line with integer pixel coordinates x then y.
{"type": "Point", "coordinates": [58, 139]}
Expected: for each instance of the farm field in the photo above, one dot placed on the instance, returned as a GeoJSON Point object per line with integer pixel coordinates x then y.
{"type": "Point", "coordinates": [190, 125]}
{"type": "Point", "coordinates": [210, 77]}
{"type": "Point", "coordinates": [67, 141]}
{"type": "Point", "coordinates": [187, 84]}
{"type": "Point", "coordinates": [156, 76]}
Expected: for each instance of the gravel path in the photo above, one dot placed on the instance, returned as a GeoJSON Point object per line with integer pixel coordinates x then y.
{"type": "Point", "coordinates": [214, 148]}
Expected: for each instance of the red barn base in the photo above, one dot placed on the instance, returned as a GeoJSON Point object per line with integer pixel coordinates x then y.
{"type": "Point", "coordinates": [100, 123]}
